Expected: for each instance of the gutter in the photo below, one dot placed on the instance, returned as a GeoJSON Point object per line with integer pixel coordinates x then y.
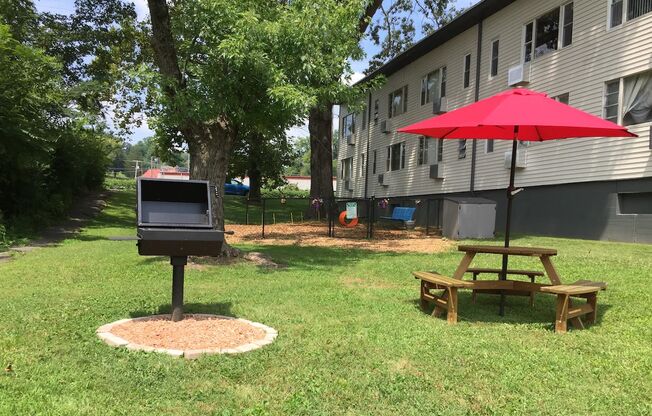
{"type": "Point", "coordinates": [474, 146]}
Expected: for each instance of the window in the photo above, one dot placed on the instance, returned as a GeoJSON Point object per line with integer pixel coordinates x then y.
{"type": "Point", "coordinates": [637, 99]}
{"type": "Point", "coordinates": [615, 13]}
{"type": "Point", "coordinates": [635, 107]}
{"type": "Point", "coordinates": [396, 156]}
{"type": "Point", "coordinates": [374, 163]}
{"type": "Point", "coordinates": [548, 32]}
{"type": "Point", "coordinates": [432, 84]}
{"type": "Point", "coordinates": [440, 150]}
{"type": "Point", "coordinates": [362, 165]}
{"type": "Point", "coordinates": [443, 81]}
{"type": "Point", "coordinates": [611, 93]}
{"type": "Point", "coordinates": [347, 167]}
{"type": "Point", "coordinates": [461, 149]}
{"type": "Point", "coordinates": [635, 203]}
{"type": "Point", "coordinates": [422, 158]}
{"type": "Point", "coordinates": [364, 119]}
{"type": "Point", "coordinates": [488, 146]}
{"type": "Point", "coordinates": [376, 112]}
{"type": "Point", "coordinates": [348, 127]}
{"type": "Point", "coordinates": [621, 10]}
{"type": "Point", "coordinates": [494, 58]}
{"type": "Point", "coordinates": [546, 35]}
{"type": "Point", "coordinates": [397, 102]}
{"type": "Point", "coordinates": [467, 70]}
{"type": "Point", "coordinates": [567, 28]}
{"type": "Point", "coordinates": [529, 40]}
{"type": "Point", "coordinates": [562, 98]}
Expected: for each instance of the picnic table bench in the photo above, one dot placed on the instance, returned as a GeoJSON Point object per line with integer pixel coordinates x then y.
{"type": "Point", "coordinates": [565, 310]}
{"type": "Point", "coordinates": [403, 214]}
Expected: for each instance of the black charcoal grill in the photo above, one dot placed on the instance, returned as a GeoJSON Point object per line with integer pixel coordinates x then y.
{"type": "Point", "coordinates": [174, 219]}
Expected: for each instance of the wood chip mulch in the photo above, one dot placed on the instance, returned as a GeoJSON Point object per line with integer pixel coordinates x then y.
{"type": "Point", "coordinates": [194, 332]}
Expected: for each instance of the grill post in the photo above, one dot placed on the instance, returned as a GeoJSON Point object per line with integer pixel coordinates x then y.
{"type": "Point", "coordinates": [178, 265]}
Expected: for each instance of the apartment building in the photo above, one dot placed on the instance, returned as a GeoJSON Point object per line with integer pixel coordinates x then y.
{"type": "Point", "coordinates": [595, 55]}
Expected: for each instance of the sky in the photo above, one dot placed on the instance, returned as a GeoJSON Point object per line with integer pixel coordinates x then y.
{"type": "Point", "coordinates": [68, 6]}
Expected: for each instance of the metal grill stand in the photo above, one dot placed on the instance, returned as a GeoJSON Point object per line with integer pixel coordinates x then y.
{"type": "Point", "coordinates": [178, 272]}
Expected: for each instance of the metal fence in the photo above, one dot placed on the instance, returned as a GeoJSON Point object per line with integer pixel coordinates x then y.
{"type": "Point", "coordinates": [305, 217]}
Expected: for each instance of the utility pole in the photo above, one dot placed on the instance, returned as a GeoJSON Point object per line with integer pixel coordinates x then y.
{"type": "Point", "coordinates": [136, 168]}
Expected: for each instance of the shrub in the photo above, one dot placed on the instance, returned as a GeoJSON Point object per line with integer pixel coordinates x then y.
{"type": "Point", "coordinates": [287, 191]}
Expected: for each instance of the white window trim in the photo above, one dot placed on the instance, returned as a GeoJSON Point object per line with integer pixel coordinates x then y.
{"type": "Point", "coordinates": [424, 81]}
{"type": "Point", "coordinates": [621, 90]}
{"type": "Point", "coordinates": [491, 58]}
{"type": "Point", "coordinates": [486, 147]}
{"type": "Point", "coordinates": [560, 35]}
{"type": "Point", "coordinates": [464, 69]}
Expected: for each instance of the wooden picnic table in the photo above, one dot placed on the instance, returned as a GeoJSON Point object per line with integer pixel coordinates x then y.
{"type": "Point", "coordinates": [543, 254]}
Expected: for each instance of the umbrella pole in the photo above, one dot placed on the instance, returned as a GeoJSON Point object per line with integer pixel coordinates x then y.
{"type": "Point", "coordinates": [510, 196]}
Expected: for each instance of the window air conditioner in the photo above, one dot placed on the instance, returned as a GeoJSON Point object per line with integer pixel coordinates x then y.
{"type": "Point", "coordinates": [437, 171]}
{"type": "Point", "coordinates": [381, 180]}
{"type": "Point", "coordinates": [386, 126]}
{"type": "Point", "coordinates": [518, 75]}
{"type": "Point", "coordinates": [521, 159]}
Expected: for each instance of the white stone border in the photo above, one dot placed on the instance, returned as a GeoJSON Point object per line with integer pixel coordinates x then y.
{"type": "Point", "coordinates": [104, 333]}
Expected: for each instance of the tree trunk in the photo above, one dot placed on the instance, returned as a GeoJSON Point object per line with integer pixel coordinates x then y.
{"type": "Point", "coordinates": [255, 179]}
{"type": "Point", "coordinates": [320, 125]}
{"type": "Point", "coordinates": [209, 160]}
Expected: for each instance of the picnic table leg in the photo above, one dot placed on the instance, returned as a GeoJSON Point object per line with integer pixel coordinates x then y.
{"type": "Point", "coordinates": [561, 318]}
{"type": "Point", "coordinates": [452, 305]}
{"type": "Point", "coordinates": [438, 309]}
{"type": "Point", "coordinates": [424, 290]}
{"type": "Point", "coordinates": [464, 264]}
{"type": "Point", "coordinates": [550, 270]}
{"type": "Point", "coordinates": [473, 292]}
{"type": "Point", "coordinates": [592, 300]}
{"type": "Point", "coordinates": [532, 292]}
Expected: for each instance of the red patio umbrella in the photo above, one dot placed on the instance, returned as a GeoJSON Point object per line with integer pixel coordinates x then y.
{"type": "Point", "coordinates": [517, 114]}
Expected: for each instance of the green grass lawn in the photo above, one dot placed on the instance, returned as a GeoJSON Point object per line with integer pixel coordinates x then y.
{"type": "Point", "coordinates": [236, 212]}
{"type": "Point", "coordinates": [352, 339]}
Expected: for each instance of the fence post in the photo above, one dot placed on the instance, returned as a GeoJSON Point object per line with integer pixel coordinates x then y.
{"type": "Point", "coordinates": [263, 217]}
{"type": "Point", "coordinates": [247, 212]}
{"type": "Point", "coordinates": [428, 217]}
{"type": "Point", "coordinates": [373, 217]}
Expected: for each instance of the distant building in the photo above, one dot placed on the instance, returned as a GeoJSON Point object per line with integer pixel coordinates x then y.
{"type": "Point", "coordinates": [301, 182]}
{"type": "Point", "coordinates": [166, 173]}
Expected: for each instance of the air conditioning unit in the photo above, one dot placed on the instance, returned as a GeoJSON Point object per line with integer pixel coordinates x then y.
{"type": "Point", "coordinates": [521, 159]}
{"type": "Point", "coordinates": [437, 171]}
{"type": "Point", "coordinates": [440, 105]}
{"type": "Point", "coordinates": [348, 185]}
{"type": "Point", "coordinates": [518, 75]}
{"type": "Point", "coordinates": [351, 139]}
{"type": "Point", "coordinates": [386, 126]}
{"type": "Point", "coordinates": [381, 180]}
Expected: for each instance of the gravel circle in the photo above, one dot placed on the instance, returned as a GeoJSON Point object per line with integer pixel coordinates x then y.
{"type": "Point", "coordinates": [195, 335]}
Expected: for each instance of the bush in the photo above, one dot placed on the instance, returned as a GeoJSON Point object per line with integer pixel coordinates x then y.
{"type": "Point", "coordinates": [119, 183]}
{"type": "Point", "coordinates": [286, 191]}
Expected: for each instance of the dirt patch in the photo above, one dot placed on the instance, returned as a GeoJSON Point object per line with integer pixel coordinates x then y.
{"type": "Point", "coordinates": [195, 332]}
{"type": "Point", "coordinates": [314, 234]}
{"type": "Point", "coordinates": [262, 260]}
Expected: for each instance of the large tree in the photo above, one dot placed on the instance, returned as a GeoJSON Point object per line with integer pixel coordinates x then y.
{"type": "Point", "coordinates": [320, 117]}
{"type": "Point", "coordinates": [223, 65]}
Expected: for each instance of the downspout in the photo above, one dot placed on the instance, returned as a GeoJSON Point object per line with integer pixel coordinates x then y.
{"type": "Point", "coordinates": [366, 167]}
{"type": "Point", "coordinates": [474, 145]}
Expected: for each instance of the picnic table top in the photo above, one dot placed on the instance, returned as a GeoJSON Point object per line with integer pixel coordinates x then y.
{"type": "Point", "coordinates": [515, 251]}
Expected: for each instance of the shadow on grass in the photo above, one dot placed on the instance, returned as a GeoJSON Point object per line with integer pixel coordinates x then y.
{"type": "Point", "coordinates": [517, 310]}
{"type": "Point", "coordinates": [223, 308]}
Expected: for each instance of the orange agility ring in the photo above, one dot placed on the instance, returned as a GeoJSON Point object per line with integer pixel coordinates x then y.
{"type": "Point", "coordinates": [351, 224]}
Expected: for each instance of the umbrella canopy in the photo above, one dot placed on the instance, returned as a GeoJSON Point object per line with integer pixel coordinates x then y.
{"type": "Point", "coordinates": [532, 115]}
{"type": "Point", "coordinates": [517, 114]}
